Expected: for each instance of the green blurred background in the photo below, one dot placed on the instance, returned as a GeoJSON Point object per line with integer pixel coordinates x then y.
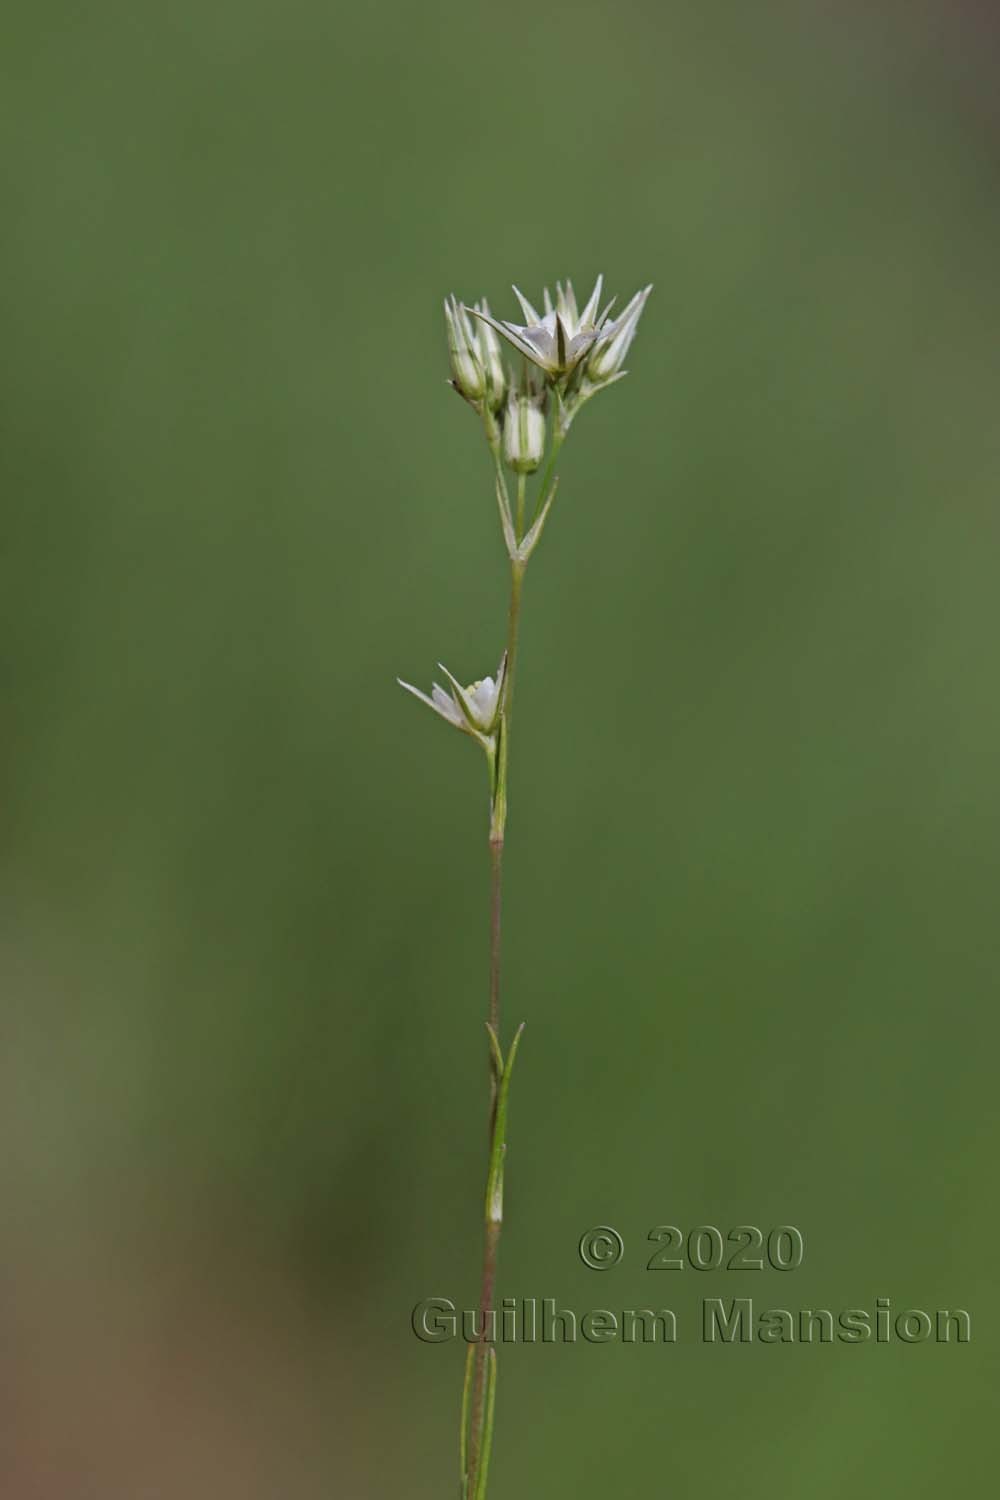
{"type": "Point", "coordinates": [753, 845]}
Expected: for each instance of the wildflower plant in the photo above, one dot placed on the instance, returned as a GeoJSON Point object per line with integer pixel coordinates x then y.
{"type": "Point", "coordinates": [565, 357]}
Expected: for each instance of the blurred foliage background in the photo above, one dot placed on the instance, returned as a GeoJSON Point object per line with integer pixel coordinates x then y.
{"type": "Point", "coordinates": [752, 862]}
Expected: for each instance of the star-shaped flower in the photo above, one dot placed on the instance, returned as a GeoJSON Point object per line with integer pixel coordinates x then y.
{"type": "Point", "coordinates": [559, 339]}
{"type": "Point", "coordinates": [475, 710]}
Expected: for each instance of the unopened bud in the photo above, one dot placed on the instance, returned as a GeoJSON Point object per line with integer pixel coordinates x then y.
{"type": "Point", "coordinates": [608, 354]}
{"type": "Point", "coordinates": [469, 378]}
{"type": "Point", "coordinates": [491, 359]}
{"type": "Point", "coordinates": [523, 433]}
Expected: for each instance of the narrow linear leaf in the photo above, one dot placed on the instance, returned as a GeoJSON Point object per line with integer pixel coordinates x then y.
{"type": "Point", "coordinates": [498, 1062]}
{"type": "Point", "coordinates": [510, 540]}
{"type": "Point", "coordinates": [491, 1396]}
{"type": "Point", "coordinates": [463, 1440]}
{"type": "Point", "coordinates": [494, 1180]}
{"type": "Point", "coordinates": [531, 541]}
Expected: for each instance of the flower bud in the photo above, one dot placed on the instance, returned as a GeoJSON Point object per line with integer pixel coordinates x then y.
{"type": "Point", "coordinates": [602, 363]}
{"type": "Point", "coordinates": [469, 376]}
{"type": "Point", "coordinates": [608, 354]}
{"type": "Point", "coordinates": [491, 359]}
{"type": "Point", "coordinates": [524, 432]}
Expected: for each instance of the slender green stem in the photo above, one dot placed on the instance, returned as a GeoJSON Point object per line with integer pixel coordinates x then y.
{"type": "Point", "coordinates": [522, 483]}
{"type": "Point", "coordinates": [496, 894]}
{"type": "Point", "coordinates": [491, 1239]}
{"type": "Point", "coordinates": [513, 632]}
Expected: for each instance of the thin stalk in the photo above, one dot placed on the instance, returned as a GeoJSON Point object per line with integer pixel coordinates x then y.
{"type": "Point", "coordinates": [513, 630]}
{"type": "Point", "coordinates": [496, 901]}
{"type": "Point", "coordinates": [491, 1395]}
{"type": "Point", "coordinates": [494, 1219]}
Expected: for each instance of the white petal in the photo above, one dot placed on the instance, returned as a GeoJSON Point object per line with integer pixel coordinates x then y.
{"type": "Point", "coordinates": [566, 305]}
{"type": "Point", "coordinates": [462, 697]}
{"type": "Point", "coordinates": [530, 315]}
{"type": "Point", "coordinates": [590, 311]}
{"type": "Point", "coordinates": [446, 705]}
{"type": "Point", "coordinates": [511, 331]}
{"type": "Point", "coordinates": [431, 702]}
{"type": "Point", "coordinates": [602, 320]}
{"type": "Point", "coordinates": [483, 699]}
{"type": "Point", "coordinates": [540, 340]}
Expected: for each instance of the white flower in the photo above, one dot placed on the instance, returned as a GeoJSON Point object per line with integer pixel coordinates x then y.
{"type": "Point", "coordinates": [557, 341]}
{"type": "Point", "coordinates": [475, 709]}
{"type": "Point", "coordinates": [608, 353]}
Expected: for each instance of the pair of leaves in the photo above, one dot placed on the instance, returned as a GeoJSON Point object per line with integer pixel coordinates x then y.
{"type": "Point", "coordinates": [520, 551]}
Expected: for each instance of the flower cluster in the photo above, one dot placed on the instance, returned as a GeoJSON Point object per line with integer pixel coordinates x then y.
{"type": "Point", "coordinates": [568, 354]}
{"type": "Point", "coordinates": [578, 353]}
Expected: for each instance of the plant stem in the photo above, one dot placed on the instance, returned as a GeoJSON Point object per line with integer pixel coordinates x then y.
{"type": "Point", "coordinates": [496, 898]}
{"type": "Point", "coordinates": [513, 630]}
{"type": "Point", "coordinates": [494, 1221]}
{"type": "Point", "coordinates": [522, 483]}
{"type": "Point", "coordinates": [490, 1253]}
